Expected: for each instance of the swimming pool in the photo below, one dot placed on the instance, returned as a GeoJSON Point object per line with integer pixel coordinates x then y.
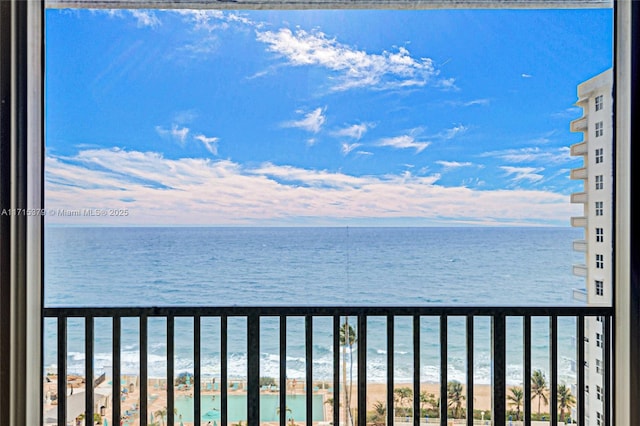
{"type": "Point", "coordinates": [237, 407]}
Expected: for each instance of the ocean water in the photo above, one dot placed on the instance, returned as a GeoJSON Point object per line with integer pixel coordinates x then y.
{"type": "Point", "coordinates": [311, 266]}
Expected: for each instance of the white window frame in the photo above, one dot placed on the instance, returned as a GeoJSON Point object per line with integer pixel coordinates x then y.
{"type": "Point", "coordinates": [599, 208]}
{"type": "Point", "coordinates": [599, 155]}
{"type": "Point", "coordinates": [599, 102]}
{"type": "Point", "coordinates": [599, 129]}
{"type": "Point", "coordinates": [599, 286]}
{"type": "Point", "coordinates": [599, 182]}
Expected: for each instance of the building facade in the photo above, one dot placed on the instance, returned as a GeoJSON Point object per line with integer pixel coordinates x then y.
{"type": "Point", "coordinates": [596, 125]}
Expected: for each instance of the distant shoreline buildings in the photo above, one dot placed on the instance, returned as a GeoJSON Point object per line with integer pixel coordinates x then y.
{"type": "Point", "coordinates": [595, 97]}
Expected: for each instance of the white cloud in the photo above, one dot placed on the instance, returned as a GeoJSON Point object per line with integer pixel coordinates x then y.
{"type": "Point", "coordinates": [473, 102]}
{"type": "Point", "coordinates": [450, 165]}
{"type": "Point", "coordinates": [569, 113]}
{"type": "Point", "coordinates": [526, 75]}
{"type": "Point", "coordinates": [145, 18]}
{"type": "Point", "coordinates": [534, 155]}
{"type": "Point", "coordinates": [355, 131]}
{"type": "Point", "coordinates": [346, 148]}
{"type": "Point", "coordinates": [454, 131]}
{"type": "Point", "coordinates": [403, 142]}
{"type": "Point", "coordinates": [312, 121]}
{"type": "Point", "coordinates": [530, 174]}
{"type": "Point", "coordinates": [213, 20]}
{"type": "Point", "coordinates": [211, 143]}
{"type": "Point", "coordinates": [158, 190]}
{"type": "Point", "coordinates": [178, 134]}
{"type": "Point", "coordinates": [355, 68]}
{"type": "Point", "coordinates": [447, 84]}
{"type": "Point", "coordinates": [476, 102]}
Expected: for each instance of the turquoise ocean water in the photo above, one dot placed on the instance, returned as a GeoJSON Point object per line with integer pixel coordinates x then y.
{"type": "Point", "coordinates": [311, 266]}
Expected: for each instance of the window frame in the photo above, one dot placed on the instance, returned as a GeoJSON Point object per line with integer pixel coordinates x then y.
{"type": "Point", "coordinates": [22, 163]}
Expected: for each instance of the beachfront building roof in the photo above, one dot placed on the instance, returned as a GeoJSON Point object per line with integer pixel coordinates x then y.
{"type": "Point", "coordinates": [595, 97]}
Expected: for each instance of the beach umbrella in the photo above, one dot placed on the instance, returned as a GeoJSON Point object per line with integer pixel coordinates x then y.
{"type": "Point", "coordinates": [105, 422]}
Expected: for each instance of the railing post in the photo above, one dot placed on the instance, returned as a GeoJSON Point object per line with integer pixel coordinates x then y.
{"type": "Point", "coordinates": [607, 330]}
{"type": "Point", "coordinates": [469, 370]}
{"type": "Point", "coordinates": [553, 387]}
{"type": "Point", "coordinates": [362, 369]}
{"type": "Point", "coordinates": [498, 337]}
{"type": "Point", "coordinates": [527, 369]}
{"type": "Point", "coordinates": [116, 384]}
{"type": "Point", "coordinates": [283, 370]}
{"type": "Point", "coordinates": [170, 367]}
{"type": "Point", "coordinates": [88, 363]}
{"type": "Point", "coordinates": [224, 365]}
{"type": "Point", "coordinates": [253, 369]}
{"type": "Point", "coordinates": [144, 375]}
{"type": "Point", "coordinates": [390, 368]}
{"type": "Point", "coordinates": [416, 370]}
{"type": "Point", "coordinates": [62, 369]}
{"type": "Point", "coordinates": [197, 380]}
{"type": "Point", "coordinates": [443, 368]}
{"type": "Point", "coordinates": [336, 370]}
{"type": "Point", "coordinates": [580, 367]}
{"type": "Point", "coordinates": [308, 331]}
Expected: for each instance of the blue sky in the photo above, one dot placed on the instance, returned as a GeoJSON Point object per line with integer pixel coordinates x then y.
{"type": "Point", "coordinates": [298, 118]}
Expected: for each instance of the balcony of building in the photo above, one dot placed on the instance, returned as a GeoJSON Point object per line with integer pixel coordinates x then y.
{"type": "Point", "coordinates": [579, 148]}
{"type": "Point", "coordinates": [580, 294]}
{"type": "Point", "coordinates": [580, 270]}
{"type": "Point", "coordinates": [200, 398]}
{"type": "Point", "coordinates": [579, 222]}
{"type": "Point", "coordinates": [579, 197]}
{"type": "Point", "coordinates": [580, 246]}
{"type": "Point", "coordinates": [579, 173]}
{"type": "Point", "coordinates": [579, 125]}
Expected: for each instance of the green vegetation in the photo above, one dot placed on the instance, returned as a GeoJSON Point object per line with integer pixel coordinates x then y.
{"type": "Point", "coordinates": [565, 400]}
{"type": "Point", "coordinates": [515, 399]}
{"type": "Point", "coordinates": [267, 381]}
{"type": "Point", "coordinates": [455, 398]}
{"type": "Point", "coordinates": [184, 378]}
{"type": "Point", "coordinates": [539, 388]}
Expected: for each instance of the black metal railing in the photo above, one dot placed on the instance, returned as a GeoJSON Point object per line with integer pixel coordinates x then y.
{"type": "Point", "coordinates": [498, 324]}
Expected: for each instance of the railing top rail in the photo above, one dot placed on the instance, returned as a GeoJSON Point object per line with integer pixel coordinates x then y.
{"type": "Point", "coordinates": [300, 310]}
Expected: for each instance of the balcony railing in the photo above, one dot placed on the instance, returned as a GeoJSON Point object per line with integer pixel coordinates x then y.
{"type": "Point", "coordinates": [360, 318]}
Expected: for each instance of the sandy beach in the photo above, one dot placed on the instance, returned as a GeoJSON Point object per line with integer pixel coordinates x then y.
{"type": "Point", "coordinates": [157, 403]}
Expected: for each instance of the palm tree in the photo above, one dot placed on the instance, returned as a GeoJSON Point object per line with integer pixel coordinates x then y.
{"type": "Point", "coordinates": [162, 413]}
{"type": "Point", "coordinates": [379, 411]}
{"type": "Point", "coordinates": [286, 410]}
{"type": "Point", "coordinates": [516, 399]}
{"type": "Point", "coordinates": [427, 398]}
{"type": "Point", "coordinates": [347, 338]}
{"type": "Point", "coordinates": [455, 397]}
{"type": "Point", "coordinates": [401, 395]}
{"type": "Point", "coordinates": [565, 400]}
{"type": "Point", "coordinates": [539, 387]}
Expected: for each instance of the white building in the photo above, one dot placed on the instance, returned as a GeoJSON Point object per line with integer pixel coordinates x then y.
{"type": "Point", "coordinates": [596, 124]}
